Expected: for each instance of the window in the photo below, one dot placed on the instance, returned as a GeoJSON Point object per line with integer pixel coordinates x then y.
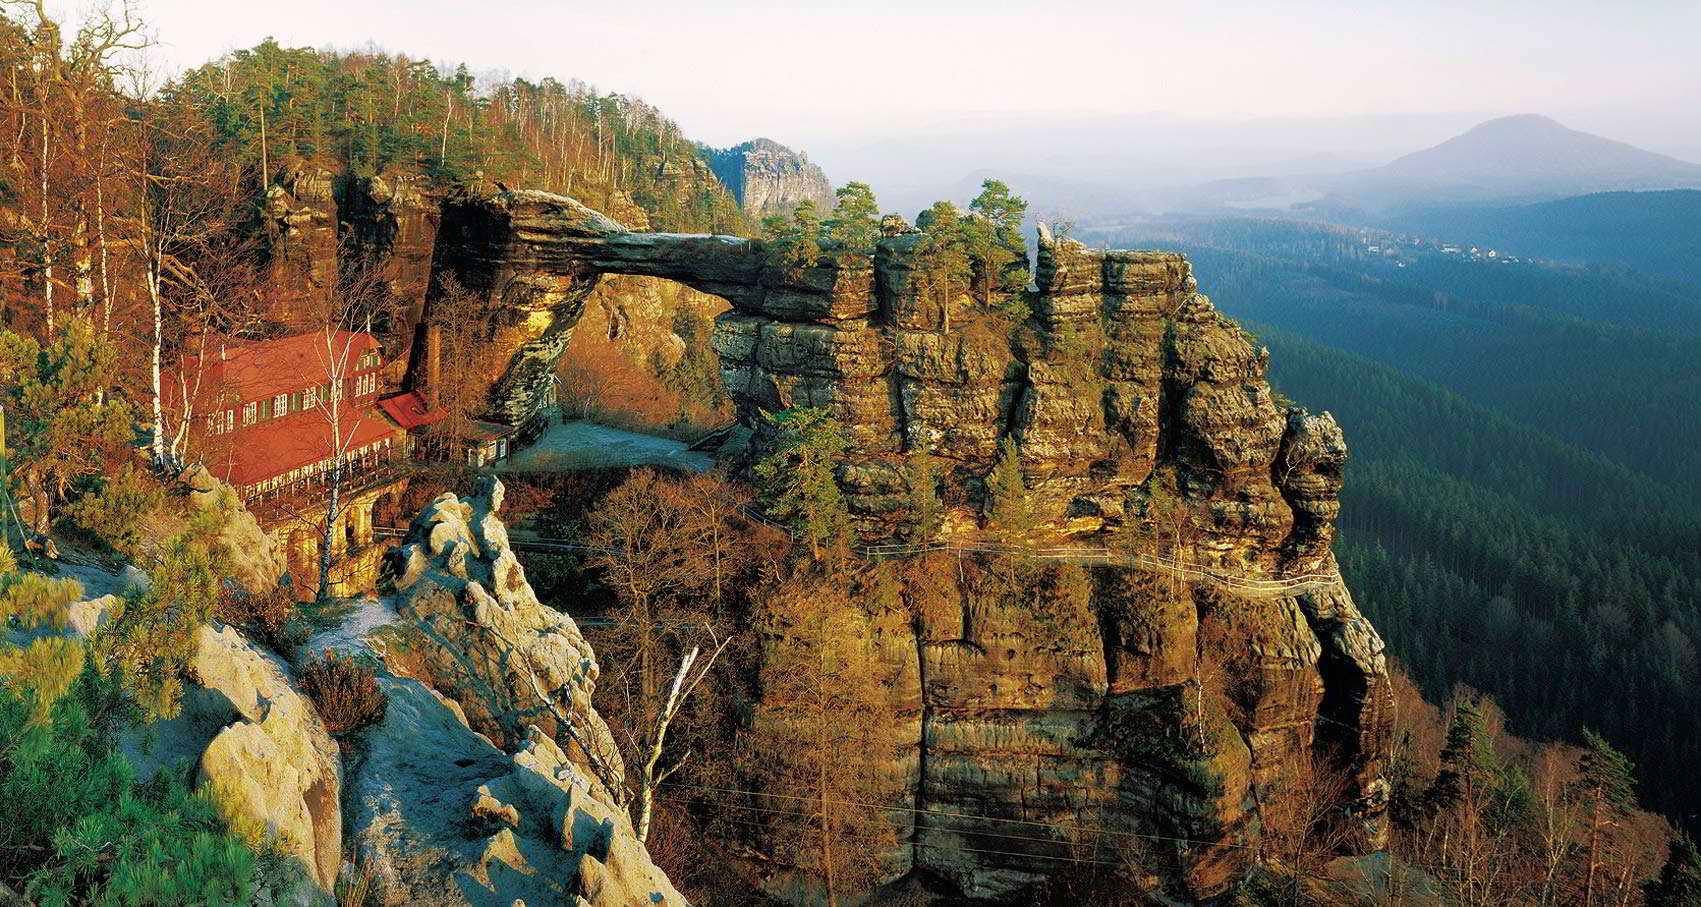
{"type": "Point", "coordinates": [229, 420]}
{"type": "Point", "coordinates": [250, 413]}
{"type": "Point", "coordinates": [213, 423]}
{"type": "Point", "coordinates": [280, 405]}
{"type": "Point", "coordinates": [310, 398]}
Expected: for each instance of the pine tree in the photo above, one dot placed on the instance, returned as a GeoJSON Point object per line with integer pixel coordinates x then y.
{"type": "Point", "coordinates": [1009, 507]}
{"type": "Point", "coordinates": [63, 422]}
{"type": "Point", "coordinates": [799, 487]}
{"type": "Point", "coordinates": [80, 830]}
{"type": "Point", "coordinates": [994, 238]}
{"type": "Point", "coordinates": [927, 511]}
{"type": "Point", "coordinates": [40, 670]}
{"type": "Point", "coordinates": [855, 224]}
{"type": "Point", "coordinates": [1468, 762]}
{"type": "Point", "coordinates": [1679, 883]}
{"type": "Point", "coordinates": [1606, 786]}
{"type": "Point", "coordinates": [150, 642]}
{"type": "Point", "coordinates": [805, 251]}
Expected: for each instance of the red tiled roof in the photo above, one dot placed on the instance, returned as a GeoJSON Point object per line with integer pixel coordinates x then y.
{"type": "Point", "coordinates": [276, 446]}
{"type": "Point", "coordinates": [410, 411]}
{"type": "Point", "coordinates": [255, 370]}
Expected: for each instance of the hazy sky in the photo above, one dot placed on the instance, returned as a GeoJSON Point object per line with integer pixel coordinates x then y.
{"type": "Point", "coordinates": [817, 72]}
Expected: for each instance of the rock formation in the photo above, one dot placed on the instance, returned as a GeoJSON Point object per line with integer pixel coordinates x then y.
{"type": "Point", "coordinates": [274, 767]}
{"type": "Point", "coordinates": [769, 178]}
{"type": "Point", "coordinates": [444, 815]}
{"type": "Point", "coordinates": [389, 225]}
{"type": "Point", "coordinates": [1163, 708]}
{"type": "Point", "coordinates": [298, 229]}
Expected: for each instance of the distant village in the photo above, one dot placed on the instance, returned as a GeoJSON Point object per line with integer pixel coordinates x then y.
{"type": "Point", "coordinates": [1401, 249]}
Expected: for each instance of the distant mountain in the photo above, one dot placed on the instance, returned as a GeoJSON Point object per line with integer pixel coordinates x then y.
{"type": "Point", "coordinates": [1658, 232]}
{"type": "Point", "coordinates": [769, 178]}
{"type": "Point", "coordinates": [1516, 159]}
{"type": "Point", "coordinates": [1531, 155]}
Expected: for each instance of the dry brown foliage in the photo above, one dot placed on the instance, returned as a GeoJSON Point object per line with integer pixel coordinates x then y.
{"type": "Point", "coordinates": [271, 615]}
{"type": "Point", "coordinates": [345, 691]}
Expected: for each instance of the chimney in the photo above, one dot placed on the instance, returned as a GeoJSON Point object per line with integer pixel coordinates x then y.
{"type": "Point", "coordinates": [433, 364]}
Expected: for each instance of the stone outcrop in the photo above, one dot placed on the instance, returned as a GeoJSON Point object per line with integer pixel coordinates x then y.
{"type": "Point", "coordinates": [258, 561]}
{"type": "Point", "coordinates": [498, 780]}
{"type": "Point", "coordinates": [1157, 708]}
{"type": "Point", "coordinates": [389, 224]}
{"type": "Point", "coordinates": [298, 230]}
{"type": "Point", "coordinates": [257, 744]}
{"type": "Point", "coordinates": [769, 178]}
{"type": "Point", "coordinates": [275, 768]}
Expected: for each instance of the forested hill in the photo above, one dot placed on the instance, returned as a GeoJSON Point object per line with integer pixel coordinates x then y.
{"type": "Point", "coordinates": [368, 112]}
{"type": "Point", "coordinates": [1491, 554]}
{"type": "Point", "coordinates": [1655, 232]}
{"type": "Point", "coordinates": [1608, 362]}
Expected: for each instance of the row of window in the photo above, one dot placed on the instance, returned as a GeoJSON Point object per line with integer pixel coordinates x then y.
{"type": "Point", "coordinates": [284, 404]}
{"type": "Point", "coordinates": [314, 470]}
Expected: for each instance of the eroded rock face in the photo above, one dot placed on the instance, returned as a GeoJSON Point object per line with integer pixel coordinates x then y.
{"type": "Point", "coordinates": [258, 561]}
{"type": "Point", "coordinates": [298, 225]}
{"type": "Point", "coordinates": [767, 177]}
{"type": "Point", "coordinates": [1151, 707]}
{"type": "Point", "coordinates": [275, 766]}
{"type": "Point", "coordinates": [1055, 711]}
{"type": "Point", "coordinates": [497, 781]}
{"type": "Point", "coordinates": [390, 225]}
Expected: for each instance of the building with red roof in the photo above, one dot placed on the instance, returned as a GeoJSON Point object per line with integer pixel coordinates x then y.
{"type": "Point", "coordinates": [266, 415]}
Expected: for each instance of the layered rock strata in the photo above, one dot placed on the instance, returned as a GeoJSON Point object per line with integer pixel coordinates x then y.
{"type": "Point", "coordinates": [1167, 709]}
{"type": "Point", "coordinates": [769, 178]}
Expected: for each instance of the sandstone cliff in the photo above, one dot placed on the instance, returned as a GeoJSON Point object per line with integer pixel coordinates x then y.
{"type": "Point", "coordinates": [769, 178]}
{"type": "Point", "coordinates": [1169, 708]}
{"type": "Point", "coordinates": [492, 777]}
{"type": "Point", "coordinates": [490, 780]}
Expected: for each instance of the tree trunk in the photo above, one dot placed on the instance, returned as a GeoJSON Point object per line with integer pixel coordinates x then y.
{"type": "Point", "coordinates": [45, 239]}
{"type": "Point", "coordinates": [154, 363]}
{"type": "Point", "coordinates": [332, 506]}
{"type": "Point", "coordinates": [1594, 849]}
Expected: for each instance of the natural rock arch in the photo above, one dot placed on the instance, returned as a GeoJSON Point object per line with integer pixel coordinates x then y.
{"type": "Point", "coordinates": [534, 257]}
{"type": "Point", "coordinates": [1123, 371]}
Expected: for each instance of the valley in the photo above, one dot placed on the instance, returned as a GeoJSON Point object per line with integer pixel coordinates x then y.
{"type": "Point", "coordinates": [431, 485]}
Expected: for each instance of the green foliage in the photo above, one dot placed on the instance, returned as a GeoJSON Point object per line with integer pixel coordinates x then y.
{"type": "Point", "coordinates": [149, 645]}
{"type": "Point", "coordinates": [1679, 882]}
{"type": "Point", "coordinates": [794, 243]}
{"type": "Point", "coordinates": [63, 422]}
{"type": "Point", "coordinates": [39, 671]}
{"type": "Point", "coordinates": [1468, 761]}
{"type": "Point", "coordinates": [1605, 776]}
{"type": "Point", "coordinates": [1009, 507]}
{"type": "Point", "coordinates": [855, 224]}
{"type": "Point", "coordinates": [1488, 552]}
{"type": "Point", "coordinates": [927, 511]}
{"type": "Point", "coordinates": [797, 479]}
{"type": "Point", "coordinates": [1473, 773]}
{"type": "Point", "coordinates": [120, 513]}
{"type": "Point", "coordinates": [942, 261]}
{"type": "Point", "coordinates": [993, 237]}
{"type": "Point", "coordinates": [79, 829]}
{"type": "Point", "coordinates": [371, 112]}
